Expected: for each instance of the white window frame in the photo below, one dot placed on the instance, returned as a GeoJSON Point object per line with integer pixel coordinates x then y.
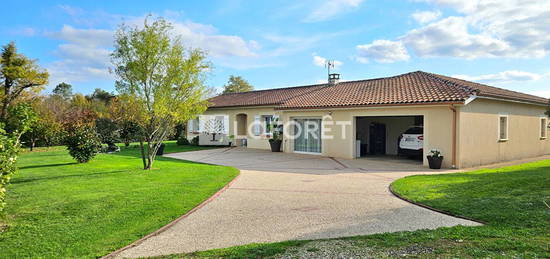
{"type": "Point", "coordinates": [193, 126]}
{"type": "Point", "coordinates": [507, 127]}
{"type": "Point", "coordinates": [543, 130]}
{"type": "Point", "coordinates": [265, 124]}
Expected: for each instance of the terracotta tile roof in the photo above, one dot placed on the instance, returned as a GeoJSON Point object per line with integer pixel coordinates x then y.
{"type": "Point", "coordinates": [411, 88]}
{"type": "Point", "coordinates": [271, 97]}
{"type": "Point", "coordinates": [491, 91]}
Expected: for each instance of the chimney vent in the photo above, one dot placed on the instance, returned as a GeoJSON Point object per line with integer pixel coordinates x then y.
{"type": "Point", "coordinates": [333, 78]}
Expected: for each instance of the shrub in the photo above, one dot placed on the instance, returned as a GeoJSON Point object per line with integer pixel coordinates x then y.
{"type": "Point", "coordinates": [107, 130]}
{"type": "Point", "coordinates": [110, 148]}
{"type": "Point", "coordinates": [195, 141]}
{"type": "Point", "coordinates": [9, 148]}
{"type": "Point", "coordinates": [83, 143]}
{"type": "Point", "coordinates": [182, 141]}
{"type": "Point", "coordinates": [129, 131]}
{"type": "Point", "coordinates": [20, 118]}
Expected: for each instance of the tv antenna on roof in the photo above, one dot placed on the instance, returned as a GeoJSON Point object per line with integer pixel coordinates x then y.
{"type": "Point", "coordinates": [333, 78]}
{"type": "Point", "coordinates": [329, 64]}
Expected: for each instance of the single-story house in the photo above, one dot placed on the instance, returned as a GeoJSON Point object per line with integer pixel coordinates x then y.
{"type": "Point", "coordinates": [470, 123]}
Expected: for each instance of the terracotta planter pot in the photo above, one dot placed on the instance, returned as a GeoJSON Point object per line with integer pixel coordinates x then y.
{"type": "Point", "coordinates": [435, 162]}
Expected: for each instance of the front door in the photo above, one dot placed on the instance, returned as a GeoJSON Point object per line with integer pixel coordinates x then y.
{"type": "Point", "coordinates": [307, 137]}
{"type": "Point", "coordinates": [377, 136]}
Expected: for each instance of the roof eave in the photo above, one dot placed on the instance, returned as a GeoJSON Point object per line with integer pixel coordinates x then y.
{"type": "Point", "coordinates": [444, 103]}
{"type": "Point", "coordinates": [509, 99]}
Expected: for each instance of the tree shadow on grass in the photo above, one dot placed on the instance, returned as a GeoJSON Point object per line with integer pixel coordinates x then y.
{"type": "Point", "coordinates": [47, 165]}
{"type": "Point", "coordinates": [135, 153]}
{"type": "Point", "coordinates": [33, 179]}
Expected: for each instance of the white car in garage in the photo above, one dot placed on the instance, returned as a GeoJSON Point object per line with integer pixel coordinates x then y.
{"type": "Point", "coordinates": [411, 142]}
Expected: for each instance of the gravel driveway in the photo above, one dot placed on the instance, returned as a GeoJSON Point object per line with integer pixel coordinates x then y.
{"type": "Point", "coordinates": [281, 196]}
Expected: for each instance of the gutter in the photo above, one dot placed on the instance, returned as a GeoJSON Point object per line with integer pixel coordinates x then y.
{"type": "Point", "coordinates": [454, 137]}
{"type": "Point", "coordinates": [488, 97]}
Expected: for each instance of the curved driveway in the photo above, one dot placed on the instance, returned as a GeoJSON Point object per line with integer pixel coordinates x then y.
{"type": "Point", "coordinates": [281, 196]}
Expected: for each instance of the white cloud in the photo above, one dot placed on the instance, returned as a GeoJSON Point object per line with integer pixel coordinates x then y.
{"type": "Point", "coordinates": [321, 61]}
{"type": "Point", "coordinates": [541, 93]}
{"type": "Point", "coordinates": [502, 77]}
{"type": "Point", "coordinates": [22, 31]}
{"type": "Point", "coordinates": [290, 44]}
{"type": "Point", "coordinates": [206, 37]}
{"type": "Point", "coordinates": [218, 45]}
{"type": "Point", "coordinates": [84, 53]}
{"type": "Point", "coordinates": [332, 8]}
{"type": "Point", "coordinates": [426, 16]}
{"type": "Point", "coordinates": [450, 37]}
{"type": "Point", "coordinates": [87, 37]}
{"type": "Point", "coordinates": [384, 51]}
{"type": "Point", "coordinates": [485, 28]}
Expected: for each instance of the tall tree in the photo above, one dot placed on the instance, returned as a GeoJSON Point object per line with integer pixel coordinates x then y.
{"type": "Point", "coordinates": [101, 95]}
{"type": "Point", "coordinates": [237, 84]}
{"type": "Point", "coordinates": [17, 74]}
{"type": "Point", "coordinates": [64, 90]}
{"type": "Point", "coordinates": [161, 77]}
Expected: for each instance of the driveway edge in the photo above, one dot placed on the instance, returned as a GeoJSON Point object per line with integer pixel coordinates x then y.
{"type": "Point", "coordinates": [432, 208]}
{"type": "Point", "coordinates": [167, 226]}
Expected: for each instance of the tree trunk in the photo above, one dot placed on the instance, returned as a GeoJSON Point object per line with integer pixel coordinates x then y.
{"type": "Point", "coordinates": [143, 154]}
{"type": "Point", "coordinates": [6, 100]}
{"type": "Point", "coordinates": [149, 156]}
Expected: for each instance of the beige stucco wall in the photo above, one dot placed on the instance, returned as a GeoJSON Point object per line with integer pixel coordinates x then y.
{"type": "Point", "coordinates": [437, 123]}
{"type": "Point", "coordinates": [260, 142]}
{"type": "Point", "coordinates": [477, 124]}
{"type": "Point", "coordinates": [478, 132]}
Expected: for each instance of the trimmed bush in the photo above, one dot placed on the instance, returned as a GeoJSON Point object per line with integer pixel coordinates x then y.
{"type": "Point", "coordinates": [83, 143]}
{"type": "Point", "coordinates": [182, 141]}
{"type": "Point", "coordinates": [195, 141]}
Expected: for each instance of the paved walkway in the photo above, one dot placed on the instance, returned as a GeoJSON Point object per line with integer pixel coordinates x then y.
{"type": "Point", "coordinates": [281, 196]}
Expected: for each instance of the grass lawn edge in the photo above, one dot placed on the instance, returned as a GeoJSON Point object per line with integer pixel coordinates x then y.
{"type": "Point", "coordinates": [394, 193]}
{"type": "Point", "coordinates": [173, 222]}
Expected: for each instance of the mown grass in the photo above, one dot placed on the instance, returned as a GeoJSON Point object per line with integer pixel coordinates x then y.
{"type": "Point", "coordinates": [60, 209]}
{"type": "Point", "coordinates": [511, 200]}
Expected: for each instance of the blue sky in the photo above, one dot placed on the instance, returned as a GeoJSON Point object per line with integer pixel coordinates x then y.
{"type": "Point", "coordinates": [504, 43]}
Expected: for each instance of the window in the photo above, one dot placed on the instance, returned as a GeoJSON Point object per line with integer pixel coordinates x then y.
{"type": "Point", "coordinates": [194, 125]}
{"type": "Point", "coordinates": [268, 121]}
{"type": "Point", "coordinates": [214, 124]}
{"type": "Point", "coordinates": [543, 126]}
{"type": "Point", "coordinates": [503, 127]}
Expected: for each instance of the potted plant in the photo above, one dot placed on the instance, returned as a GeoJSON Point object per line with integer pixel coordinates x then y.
{"type": "Point", "coordinates": [435, 159]}
{"type": "Point", "coordinates": [231, 139]}
{"type": "Point", "coordinates": [276, 140]}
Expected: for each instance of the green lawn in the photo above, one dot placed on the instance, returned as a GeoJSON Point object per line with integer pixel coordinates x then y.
{"type": "Point", "coordinates": [60, 209]}
{"type": "Point", "coordinates": [511, 200]}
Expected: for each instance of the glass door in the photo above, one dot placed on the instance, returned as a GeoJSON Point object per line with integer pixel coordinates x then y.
{"type": "Point", "coordinates": [307, 137]}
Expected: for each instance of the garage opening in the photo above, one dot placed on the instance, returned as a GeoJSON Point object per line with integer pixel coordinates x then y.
{"type": "Point", "coordinates": [392, 137]}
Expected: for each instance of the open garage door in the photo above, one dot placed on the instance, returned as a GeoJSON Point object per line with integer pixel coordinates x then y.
{"type": "Point", "coordinates": [391, 136]}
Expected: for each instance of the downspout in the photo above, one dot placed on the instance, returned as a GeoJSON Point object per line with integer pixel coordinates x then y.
{"type": "Point", "coordinates": [453, 136]}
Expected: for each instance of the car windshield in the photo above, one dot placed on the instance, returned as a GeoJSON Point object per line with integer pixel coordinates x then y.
{"type": "Point", "coordinates": [415, 130]}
